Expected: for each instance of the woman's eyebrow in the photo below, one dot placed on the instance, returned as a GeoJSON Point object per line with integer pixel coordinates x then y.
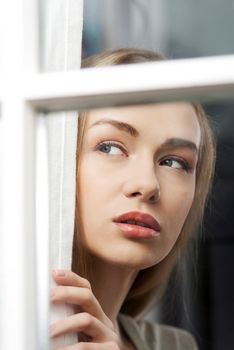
{"type": "Point", "coordinates": [176, 142]}
{"type": "Point", "coordinates": [119, 125]}
{"type": "Point", "coordinates": [173, 142]}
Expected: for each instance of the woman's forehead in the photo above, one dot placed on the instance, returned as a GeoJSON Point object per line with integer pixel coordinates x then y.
{"type": "Point", "coordinates": [164, 120]}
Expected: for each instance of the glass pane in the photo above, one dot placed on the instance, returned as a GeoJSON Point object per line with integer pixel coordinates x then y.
{"type": "Point", "coordinates": [199, 295]}
{"type": "Point", "coordinates": [178, 29]}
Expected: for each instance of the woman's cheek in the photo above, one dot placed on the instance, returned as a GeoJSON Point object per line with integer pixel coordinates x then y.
{"type": "Point", "coordinates": [177, 199]}
{"type": "Point", "coordinates": [185, 205]}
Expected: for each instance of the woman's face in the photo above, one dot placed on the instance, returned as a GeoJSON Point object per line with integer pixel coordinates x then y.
{"type": "Point", "coordinates": [137, 159]}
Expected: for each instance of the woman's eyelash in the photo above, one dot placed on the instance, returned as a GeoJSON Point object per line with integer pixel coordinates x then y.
{"type": "Point", "coordinates": [101, 145]}
{"type": "Point", "coordinates": [184, 164]}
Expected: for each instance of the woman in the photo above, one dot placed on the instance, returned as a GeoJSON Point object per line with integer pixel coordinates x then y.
{"type": "Point", "coordinates": [143, 175]}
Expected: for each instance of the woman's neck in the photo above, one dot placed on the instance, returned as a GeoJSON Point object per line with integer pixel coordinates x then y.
{"type": "Point", "coordinates": [110, 285]}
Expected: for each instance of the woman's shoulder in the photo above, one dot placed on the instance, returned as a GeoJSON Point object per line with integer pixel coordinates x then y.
{"type": "Point", "coordinates": [156, 336]}
{"type": "Point", "coordinates": [167, 337]}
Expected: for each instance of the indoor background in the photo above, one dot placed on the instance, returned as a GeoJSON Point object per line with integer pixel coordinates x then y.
{"type": "Point", "coordinates": [202, 298]}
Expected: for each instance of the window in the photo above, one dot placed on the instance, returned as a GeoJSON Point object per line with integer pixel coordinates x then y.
{"type": "Point", "coordinates": [24, 93]}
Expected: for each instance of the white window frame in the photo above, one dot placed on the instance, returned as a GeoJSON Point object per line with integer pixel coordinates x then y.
{"type": "Point", "coordinates": [24, 92]}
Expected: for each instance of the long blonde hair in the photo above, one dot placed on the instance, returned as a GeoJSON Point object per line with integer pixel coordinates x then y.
{"type": "Point", "coordinates": [151, 282]}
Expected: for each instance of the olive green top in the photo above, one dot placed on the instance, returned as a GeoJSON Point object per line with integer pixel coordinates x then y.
{"type": "Point", "coordinates": [146, 335]}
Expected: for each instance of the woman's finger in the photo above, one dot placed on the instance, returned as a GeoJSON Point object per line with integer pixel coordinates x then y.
{"type": "Point", "coordinates": [82, 297]}
{"type": "Point", "coordinates": [85, 323]}
{"type": "Point", "coordinates": [69, 278]}
{"type": "Point", "coordinates": [92, 346]}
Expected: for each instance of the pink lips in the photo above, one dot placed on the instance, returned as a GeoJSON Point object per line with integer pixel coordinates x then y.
{"type": "Point", "coordinates": [137, 228]}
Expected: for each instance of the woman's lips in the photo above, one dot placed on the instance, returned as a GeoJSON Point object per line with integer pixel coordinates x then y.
{"type": "Point", "coordinates": [133, 224]}
{"type": "Point", "coordinates": [137, 231]}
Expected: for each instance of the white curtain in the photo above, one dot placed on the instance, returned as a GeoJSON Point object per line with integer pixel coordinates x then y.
{"type": "Point", "coordinates": [61, 34]}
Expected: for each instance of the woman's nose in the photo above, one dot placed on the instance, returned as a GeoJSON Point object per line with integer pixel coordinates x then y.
{"type": "Point", "coordinates": [143, 184]}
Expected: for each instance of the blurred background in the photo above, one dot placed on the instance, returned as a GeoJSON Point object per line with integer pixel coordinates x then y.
{"type": "Point", "coordinates": [202, 298]}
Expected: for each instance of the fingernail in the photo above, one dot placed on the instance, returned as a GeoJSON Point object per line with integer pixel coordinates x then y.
{"type": "Point", "coordinates": [60, 273]}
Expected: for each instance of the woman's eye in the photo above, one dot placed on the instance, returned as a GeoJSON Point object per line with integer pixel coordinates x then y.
{"type": "Point", "coordinates": [175, 163]}
{"type": "Point", "coordinates": [110, 148]}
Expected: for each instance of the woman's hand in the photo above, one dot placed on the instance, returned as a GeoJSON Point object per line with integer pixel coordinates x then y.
{"type": "Point", "coordinates": [91, 321]}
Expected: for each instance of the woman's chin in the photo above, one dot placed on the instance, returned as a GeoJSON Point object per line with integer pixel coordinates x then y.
{"type": "Point", "coordinates": [126, 253]}
{"type": "Point", "coordinates": [132, 260]}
